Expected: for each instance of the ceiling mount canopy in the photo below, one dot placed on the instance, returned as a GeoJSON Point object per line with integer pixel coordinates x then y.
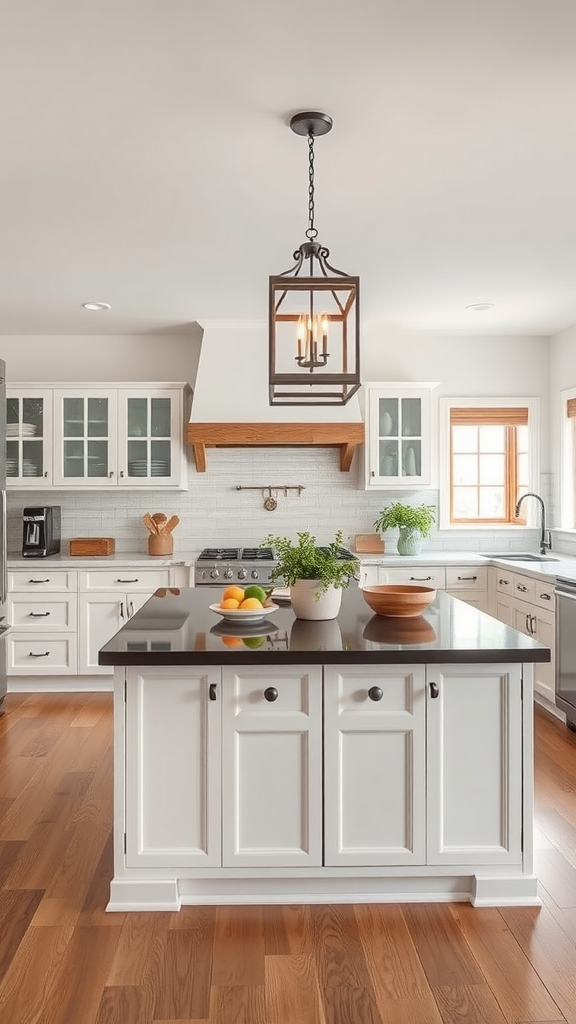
{"type": "Point", "coordinates": [314, 318]}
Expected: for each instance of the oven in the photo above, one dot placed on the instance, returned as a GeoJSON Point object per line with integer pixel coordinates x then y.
{"type": "Point", "coordinates": [216, 567]}
{"type": "Point", "coordinates": [566, 649]}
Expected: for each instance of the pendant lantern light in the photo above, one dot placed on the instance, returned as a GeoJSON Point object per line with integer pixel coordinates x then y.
{"type": "Point", "coordinates": [314, 317]}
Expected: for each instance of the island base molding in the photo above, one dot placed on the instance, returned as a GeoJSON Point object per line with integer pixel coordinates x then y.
{"type": "Point", "coordinates": [173, 893]}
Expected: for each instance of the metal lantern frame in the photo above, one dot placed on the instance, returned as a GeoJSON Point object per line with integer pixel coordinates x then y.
{"type": "Point", "coordinates": [305, 385]}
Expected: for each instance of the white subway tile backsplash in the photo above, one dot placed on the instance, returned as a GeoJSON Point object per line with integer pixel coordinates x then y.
{"type": "Point", "coordinates": [214, 512]}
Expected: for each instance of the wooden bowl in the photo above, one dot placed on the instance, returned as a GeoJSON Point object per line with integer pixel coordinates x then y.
{"type": "Point", "coordinates": [398, 600]}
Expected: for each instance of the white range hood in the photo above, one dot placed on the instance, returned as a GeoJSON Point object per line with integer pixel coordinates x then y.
{"type": "Point", "coordinates": [231, 389]}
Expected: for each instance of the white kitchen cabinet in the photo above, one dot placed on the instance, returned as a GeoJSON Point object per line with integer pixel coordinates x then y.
{"type": "Point", "coordinates": [294, 782]}
{"type": "Point", "coordinates": [272, 766]}
{"type": "Point", "coordinates": [474, 754]}
{"type": "Point", "coordinates": [398, 435]}
{"type": "Point", "coordinates": [173, 774]}
{"type": "Point", "coordinates": [374, 771]}
{"type": "Point", "coordinates": [108, 598]}
{"type": "Point", "coordinates": [29, 437]}
{"type": "Point", "coordinates": [42, 610]}
{"type": "Point", "coordinates": [527, 604]}
{"type": "Point", "coordinates": [102, 436]}
{"type": "Point", "coordinates": [468, 583]}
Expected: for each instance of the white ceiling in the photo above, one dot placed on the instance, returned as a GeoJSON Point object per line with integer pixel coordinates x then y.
{"type": "Point", "coordinates": [146, 159]}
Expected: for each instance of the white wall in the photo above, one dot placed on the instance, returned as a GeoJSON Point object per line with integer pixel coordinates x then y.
{"type": "Point", "coordinates": [213, 511]}
{"type": "Point", "coordinates": [562, 377]}
{"type": "Point", "coordinates": [89, 357]}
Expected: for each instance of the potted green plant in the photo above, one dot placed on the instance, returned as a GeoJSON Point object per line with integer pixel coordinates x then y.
{"type": "Point", "coordinates": [315, 574]}
{"type": "Point", "coordinates": [413, 521]}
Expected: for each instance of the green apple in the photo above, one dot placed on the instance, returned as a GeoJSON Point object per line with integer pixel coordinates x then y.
{"type": "Point", "coordinates": [255, 591]}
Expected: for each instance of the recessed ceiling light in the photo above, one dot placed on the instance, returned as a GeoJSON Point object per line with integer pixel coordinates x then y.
{"type": "Point", "coordinates": [480, 307]}
{"type": "Point", "coordinates": [97, 307]}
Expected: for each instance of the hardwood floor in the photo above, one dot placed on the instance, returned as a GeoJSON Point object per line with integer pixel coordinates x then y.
{"type": "Point", "coordinates": [64, 960]}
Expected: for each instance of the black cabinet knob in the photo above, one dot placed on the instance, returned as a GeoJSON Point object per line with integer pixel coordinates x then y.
{"type": "Point", "coordinates": [375, 693]}
{"type": "Point", "coordinates": [434, 690]}
{"type": "Point", "coordinates": [212, 692]}
{"type": "Point", "coordinates": [270, 693]}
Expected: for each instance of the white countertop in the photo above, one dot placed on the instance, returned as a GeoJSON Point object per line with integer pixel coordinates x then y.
{"type": "Point", "coordinates": [564, 565]}
{"type": "Point", "coordinates": [136, 558]}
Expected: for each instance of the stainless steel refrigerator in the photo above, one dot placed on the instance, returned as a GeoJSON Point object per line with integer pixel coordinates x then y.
{"type": "Point", "coordinates": [3, 553]}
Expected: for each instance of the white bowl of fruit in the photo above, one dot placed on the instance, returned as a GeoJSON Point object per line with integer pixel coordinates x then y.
{"type": "Point", "coordinates": [244, 604]}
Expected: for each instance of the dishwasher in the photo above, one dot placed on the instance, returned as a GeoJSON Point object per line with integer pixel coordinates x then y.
{"type": "Point", "coordinates": [566, 649]}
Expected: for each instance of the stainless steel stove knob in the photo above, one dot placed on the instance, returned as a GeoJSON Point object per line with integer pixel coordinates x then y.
{"type": "Point", "coordinates": [214, 574]}
{"type": "Point", "coordinates": [241, 574]}
{"type": "Point", "coordinates": [254, 574]}
{"type": "Point", "coordinates": [228, 574]}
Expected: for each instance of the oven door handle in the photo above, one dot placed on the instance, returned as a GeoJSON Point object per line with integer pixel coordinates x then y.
{"type": "Point", "coordinates": [570, 594]}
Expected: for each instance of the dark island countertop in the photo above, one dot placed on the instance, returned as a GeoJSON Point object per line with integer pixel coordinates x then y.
{"type": "Point", "coordinates": [178, 628]}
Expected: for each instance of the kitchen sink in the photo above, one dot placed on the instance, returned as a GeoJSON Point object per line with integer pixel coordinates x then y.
{"type": "Point", "coordinates": [523, 556]}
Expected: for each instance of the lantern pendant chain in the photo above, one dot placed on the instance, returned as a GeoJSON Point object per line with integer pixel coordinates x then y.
{"type": "Point", "coordinates": [311, 232]}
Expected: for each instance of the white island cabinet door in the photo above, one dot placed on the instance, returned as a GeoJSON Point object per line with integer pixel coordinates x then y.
{"type": "Point", "coordinates": [374, 775]}
{"type": "Point", "coordinates": [474, 764]}
{"type": "Point", "coordinates": [272, 766]}
{"type": "Point", "coordinates": [173, 775]}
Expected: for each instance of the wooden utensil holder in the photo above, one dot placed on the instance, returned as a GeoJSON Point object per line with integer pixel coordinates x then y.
{"type": "Point", "coordinates": [160, 544]}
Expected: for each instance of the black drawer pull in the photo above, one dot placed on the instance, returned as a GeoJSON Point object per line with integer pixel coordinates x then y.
{"type": "Point", "coordinates": [45, 655]}
{"type": "Point", "coordinates": [270, 693]}
{"type": "Point", "coordinates": [38, 581]}
{"type": "Point", "coordinates": [546, 597]}
{"type": "Point", "coordinates": [434, 690]}
{"type": "Point", "coordinates": [375, 693]}
{"type": "Point", "coordinates": [471, 578]}
{"type": "Point", "coordinates": [521, 587]}
{"type": "Point", "coordinates": [128, 581]}
{"type": "Point", "coordinates": [38, 615]}
{"type": "Point", "coordinates": [212, 691]}
{"type": "Point", "coordinates": [504, 583]}
{"type": "Point", "coordinates": [421, 579]}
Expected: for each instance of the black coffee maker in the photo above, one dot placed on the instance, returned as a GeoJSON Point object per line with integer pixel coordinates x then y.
{"type": "Point", "coordinates": [41, 531]}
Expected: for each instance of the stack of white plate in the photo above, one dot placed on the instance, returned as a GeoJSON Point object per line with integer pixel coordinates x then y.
{"type": "Point", "coordinates": [11, 467]}
{"type": "Point", "coordinates": [158, 467]}
{"type": "Point", "coordinates": [29, 468]}
{"type": "Point", "coordinates": [20, 429]}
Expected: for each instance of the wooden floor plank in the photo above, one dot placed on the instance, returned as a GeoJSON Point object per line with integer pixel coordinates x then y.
{"type": "Point", "coordinates": [183, 984]}
{"type": "Point", "coordinates": [128, 1004]}
{"type": "Point", "coordinates": [550, 952]}
{"type": "Point", "coordinates": [443, 951]}
{"type": "Point", "coordinates": [557, 875]}
{"type": "Point", "coordinates": [292, 992]}
{"type": "Point", "coordinates": [518, 989]}
{"type": "Point", "coordinates": [468, 1004]}
{"type": "Point", "coordinates": [17, 909]}
{"type": "Point", "coordinates": [287, 929]}
{"type": "Point", "coordinates": [238, 947]}
{"type": "Point", "coordinates": [343, 974]}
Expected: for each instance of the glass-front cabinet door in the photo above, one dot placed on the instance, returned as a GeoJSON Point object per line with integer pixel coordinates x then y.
{"type": "Point", "coordinates": [86, 429]}
{"type": "Point", "coordinates": [28, 437]}
{"type": "Point", "coordinates": [398, 443]}
{"type": "Point", "coordinates": [149, 429]}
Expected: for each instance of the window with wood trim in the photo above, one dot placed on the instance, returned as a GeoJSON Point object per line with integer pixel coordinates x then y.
{"type": "Point", "coordinates": [489, 463]}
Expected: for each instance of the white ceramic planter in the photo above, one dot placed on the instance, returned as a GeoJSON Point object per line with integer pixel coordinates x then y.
{"type": "Point", "coordinates": [305, 606]}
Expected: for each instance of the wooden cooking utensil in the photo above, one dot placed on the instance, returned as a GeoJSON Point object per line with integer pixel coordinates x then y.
{"type": "Point", "coordinates": [171, 524]}
{"type": "Point", "coordinates": [149, 522]}
{"type": "Point", "coordinates": [159, 518]}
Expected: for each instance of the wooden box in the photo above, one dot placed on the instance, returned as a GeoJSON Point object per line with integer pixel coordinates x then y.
{"type": "Point", "coordinates": [92, 546]}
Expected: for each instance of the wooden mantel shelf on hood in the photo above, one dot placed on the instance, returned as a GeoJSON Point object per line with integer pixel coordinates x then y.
{"type": "Point", "coordinates": [345, 436]}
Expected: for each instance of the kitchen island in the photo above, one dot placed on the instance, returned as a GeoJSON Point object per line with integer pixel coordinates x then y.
{"type": "Point", "coordinates": [350, 760]}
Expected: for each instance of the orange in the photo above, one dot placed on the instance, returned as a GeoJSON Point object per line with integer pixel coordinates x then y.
{"type": "Point", "coordinates": [230, 602]}
{"type": "Point", "coordinates": [251, 604]}
{"type": "Point", "coordinates": [232, 641]}
{"type": "Point", "coordinates": [236, 592]}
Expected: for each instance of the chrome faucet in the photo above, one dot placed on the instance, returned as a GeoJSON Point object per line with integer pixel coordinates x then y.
{"type": "Point", "coordinates": [545, 535]}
